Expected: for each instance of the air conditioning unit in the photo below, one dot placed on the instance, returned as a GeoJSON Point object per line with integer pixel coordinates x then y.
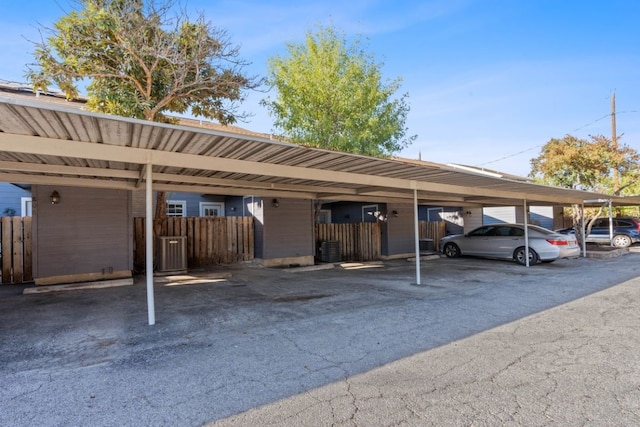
{"type": "Point", "coordinates": [172, 254]}
{"type": "Point", "coordinates": [330, 251]}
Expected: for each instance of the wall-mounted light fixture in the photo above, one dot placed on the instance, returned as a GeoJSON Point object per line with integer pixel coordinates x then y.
{"type": "Point", "coordinates": [233, 208]}
{"type": "Point", "coordinates": [275, 203]}
{"type": "Point", "coordinates": [468, 213]}
{"type": "Point", "coordinates": [55, 198]}
{"type": "Point", "coordinates": [394, 213]}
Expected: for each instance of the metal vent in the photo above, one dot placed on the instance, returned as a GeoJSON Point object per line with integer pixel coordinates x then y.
{"type": "Point", "coordinates": [330, 251]}
{"type": "Point", "coordinates": [172, 253]}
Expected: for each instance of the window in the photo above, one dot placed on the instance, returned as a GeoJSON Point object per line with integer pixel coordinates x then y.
{"type": "Point", "coordinates": [211, 209]}
{"type": "Point", "coordinates": [601, 223]}
{"type": "Point", "coordinates": [324, 217]}
{"type": "Point", "coordinates": [176, 208]}
{"type": "Point", "coordinates": [487, 230]}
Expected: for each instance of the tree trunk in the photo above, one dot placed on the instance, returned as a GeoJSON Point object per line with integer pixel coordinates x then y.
{"type": "Point", "coordinates": [161, 205]}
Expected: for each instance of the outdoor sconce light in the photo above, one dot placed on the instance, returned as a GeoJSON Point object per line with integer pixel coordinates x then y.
{"type": "Point", "coordinates": [275, 203]}
{"type": "Point", "coordinates": [395, 213]}
{"type": "Point", "coordinates": [468, 213]}
{"type": "Point", "coordinates": [55, 198]}
{"type": "Point", "coordinates": [233, 208]}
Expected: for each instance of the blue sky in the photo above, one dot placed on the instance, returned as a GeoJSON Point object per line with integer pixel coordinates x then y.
{"type": "Point", "coordinates": [489, 81]}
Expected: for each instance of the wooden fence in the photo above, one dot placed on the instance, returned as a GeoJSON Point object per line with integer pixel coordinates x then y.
{"type": "Point", "coordinates": [220, 240]}
{"type": "Point", "coordinates": [210, 240]}
{"type": "Point", "coordinates": [359, 241]}
{"type": "Point", "coordinates": [362, 241]}
{"type": "Point", "coordinates": [15, 237]}
{"type": "Point", "coordinates": [432, 230]}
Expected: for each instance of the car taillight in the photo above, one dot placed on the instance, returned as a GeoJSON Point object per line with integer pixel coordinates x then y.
{"type": "Point", "coordinates": [558, 242]}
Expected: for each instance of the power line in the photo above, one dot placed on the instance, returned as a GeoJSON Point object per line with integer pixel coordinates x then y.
{"type": "Point", "coordinates": [542, 145]}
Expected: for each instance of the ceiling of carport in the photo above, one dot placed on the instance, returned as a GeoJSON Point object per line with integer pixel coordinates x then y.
{"type": "Point", "coordinates": [44, 143]}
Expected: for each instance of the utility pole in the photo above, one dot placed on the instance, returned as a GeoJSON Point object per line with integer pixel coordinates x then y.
{"type": "Point", "coordinates": [614, 143]}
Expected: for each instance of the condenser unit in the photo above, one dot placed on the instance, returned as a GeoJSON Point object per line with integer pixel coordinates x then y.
{"type": "Point", "coordinates": [172, 254]}
{"type": "Point", "coordinates": [330, 251]}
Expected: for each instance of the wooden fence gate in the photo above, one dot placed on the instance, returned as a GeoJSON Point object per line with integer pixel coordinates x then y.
{"type": "Point", "coordinates": [362, 241]}
{"type": "Point", "coordinates": [15, 237]}
{"type": "Point", "coordinates": [210, 240]}
{"type": "Point", "coordinates": [434, 230]}
{"type": "Point", "coordinates": [359, 241]}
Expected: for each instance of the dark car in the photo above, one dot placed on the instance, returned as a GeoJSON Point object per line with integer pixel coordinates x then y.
{"type": "Point", "coordinates": [626, 230]}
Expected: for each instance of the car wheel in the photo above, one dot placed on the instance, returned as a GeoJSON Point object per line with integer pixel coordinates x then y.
{"type": "Point", "coordinates": [621, 241]}
{"type": "Point", "coordinates": [519, 256]}
{"type": "Point", "coordinates": [451, 250]}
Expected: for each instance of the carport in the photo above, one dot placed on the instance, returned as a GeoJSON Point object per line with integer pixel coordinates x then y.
{"type": "Point", "coordinates": [49, 144]}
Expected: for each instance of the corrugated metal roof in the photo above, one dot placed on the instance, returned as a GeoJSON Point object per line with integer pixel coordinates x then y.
{"type": "Point", "coordinates": [50, 143]}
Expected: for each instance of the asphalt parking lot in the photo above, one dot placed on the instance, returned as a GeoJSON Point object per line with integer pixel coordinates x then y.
{"type": "Point", "coordinates": [236, 339]}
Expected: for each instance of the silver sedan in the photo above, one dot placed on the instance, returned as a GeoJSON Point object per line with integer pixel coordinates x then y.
{"type": "Point", "coordinates": [506, 241]}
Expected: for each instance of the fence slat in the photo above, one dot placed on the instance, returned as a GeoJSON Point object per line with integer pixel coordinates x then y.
{"type": "Point", "coordinates": [28, 251]}
{"type": "Point", "coordinates": [15, 250]}
{"type": "Point", "coordinates": [7, 250]}
{"type": "Point", "coordinates": [16, 225]}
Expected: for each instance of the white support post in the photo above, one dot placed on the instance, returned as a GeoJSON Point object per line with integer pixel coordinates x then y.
{"type": "Point", "coordinates": [583, 225]}
{"type": "Point", "coordinates": [610, 223]}
{"type": "Point", "coordinates": [526, 234]}
{"type": "Point", "coordinates": [416, 230]}
{"type": "Point", "coordinates": [149, 245]}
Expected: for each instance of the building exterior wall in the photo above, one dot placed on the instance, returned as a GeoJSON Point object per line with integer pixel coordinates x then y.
{"type": "Point", "coordinates": [498, 214]}
{"type": "Point", "coordinates": [398, 231]}
{"type": "Point", "coordinates": [452, 216]}
{"type": "Point", "coordinates": [88, 231]}
{"type": "Point", "coordinates": [542, 216]}
{"type": "Point", "coordinates": [558, 218]}
{"type": "Point", "coordinates": [349, 212]}
{"type": "Point", "coordinates": [255, 209]}
{"type": "Point", "coordinates": [11, 198]}
{"type": "Point", "coordinates": [233, 205]}
{"type": "Point", "coordinates": [287, 235]}
{"type": "Point", "coordinates": [472, 218]}
{"type": "Point", "coordinates": [538, 215]}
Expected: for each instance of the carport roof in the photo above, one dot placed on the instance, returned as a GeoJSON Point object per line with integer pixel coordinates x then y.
{"type": "Point", "coordinates": [47, 143]}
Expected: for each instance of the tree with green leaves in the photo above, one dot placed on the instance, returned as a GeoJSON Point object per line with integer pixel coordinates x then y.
{"type": "Point", "coordinates": [331, 94]}
{"type": "Point", "coordinates": [143, 59]}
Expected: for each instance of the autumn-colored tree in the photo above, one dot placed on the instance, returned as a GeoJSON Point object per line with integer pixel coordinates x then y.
{"type": "Point", "coordinates": [330, 94]}
{"type": "Point", "coordinates": [587, 165]}
{"type": "Point", "coordinates": [143, 59]}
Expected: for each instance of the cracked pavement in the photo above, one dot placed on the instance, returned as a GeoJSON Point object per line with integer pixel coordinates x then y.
{"type": "Point", "coordinates": [484, 343]}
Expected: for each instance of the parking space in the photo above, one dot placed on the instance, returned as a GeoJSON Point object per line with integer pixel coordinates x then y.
{"type": "Point", "coordinates": [232, 339]}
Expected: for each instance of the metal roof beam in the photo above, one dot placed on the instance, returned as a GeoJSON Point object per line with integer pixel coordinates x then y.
{"type": "Point", "coordinates": [55, 147]}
